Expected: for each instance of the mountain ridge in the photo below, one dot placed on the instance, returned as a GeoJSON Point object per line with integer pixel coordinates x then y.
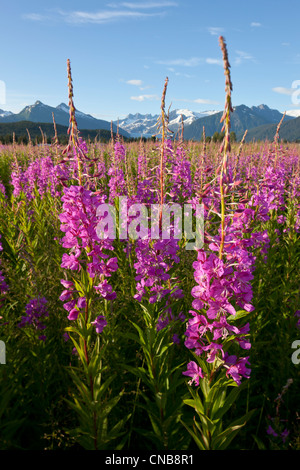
{"type": "Point", "coordinates": [40, 112]}
{"type": "Point", "coordinates": [255, 119]}
{"type": "Point", "coordinates": [242, 118]}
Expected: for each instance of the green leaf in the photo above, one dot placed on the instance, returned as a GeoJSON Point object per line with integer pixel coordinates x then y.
{"type": "Point", "coordinates": [239, 314]}
{"type": "Point", "coordinates": [222, 441]}
{"type": "Point", "coordinates": [231, 398]}
{"type": "Point", "coordinates": [259, 443]}
{"type": "Point", "coordinates": [204, 385]}
{"type": "Point", "coordinates": [196, 439]}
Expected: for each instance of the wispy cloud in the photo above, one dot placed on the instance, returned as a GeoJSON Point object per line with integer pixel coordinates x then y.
{"type": "Point", "coordinates": [144, 97]}
{"type": "Point", "coordinates": [242, 56]}
{"type": "Point", "coordinates": [134, 82]}
{"type": "Point", "coordinates": [179, 74]}
{"type": "Point", "coordinates": [192, 62]}
{"type": "Point", "coordinates": [283, 91]}
{"type": "Point", "coordinates": [255, 24]}
{"type": "Point", "coordinates": [204, 101]}
{"type": "Point", "coordinates": [138, 83]}
{"type": "Point", "coordinates": [34, 17]}
{"type": "Point", "coordinates": [209, 60]}
{"type": "Point", "coordinates": [215, 31]}
{"type": "Point", "coordinates": [113, 12]}
{"type": "Point", "coordinates": [105, 16]}
{"type": "Point", "coordinates": [95, 17]}
{"type": "Point", "coordinates": [145, 5]}
{"type": "Point", "coordinates": [198, 101]}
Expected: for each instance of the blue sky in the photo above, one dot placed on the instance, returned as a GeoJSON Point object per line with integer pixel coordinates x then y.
{"type": "Point", "coordinates": [122, 51]}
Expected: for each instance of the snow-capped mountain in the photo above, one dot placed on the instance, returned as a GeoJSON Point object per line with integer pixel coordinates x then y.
{"type": "Point", "coordinates": [243, 118]}
{"type": "Point", "coordinates": [146, 124]}
{"type": "Point", "coordinates": [293, 112]}
{"type": "Point", "coordinates": [40, 112]}
{"type": "Point", "coordinates": [4, 113]}
{"type": "Point", "coordinates": [66, 109]}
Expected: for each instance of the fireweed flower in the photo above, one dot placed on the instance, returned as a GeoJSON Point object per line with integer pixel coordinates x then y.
{"type": "Point", "coordinates": [18, 179]}
{"type": "Point", "coordinates": [181, 177]}
{"type": "Point", "coordinates": [100, 323]}
{"type": "Point", "coordinates": [79, 221]}
{"type": "Point", "coordinates": [222, 285]}
{"type": "Point", "coordinates": [225, 284]}
{"type": "Point", "coordinates": [41, 174]}
{"type": "Point", "coordinates": [36, 312]}
{"type": "Point", "coordinates": [2, 189]}
{"type": "Point", "coordinates": [271, 431]}
{"type": "Point", "coordinates": [236, 368]}
{"type": "Point", "coordinates": [154, 260]}
{"type": "Point", "coordinates": [195, 372]}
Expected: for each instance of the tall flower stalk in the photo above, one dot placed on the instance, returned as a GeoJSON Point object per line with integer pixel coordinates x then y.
{"type": "Point", "coordinates": [225, 147]}
{"type": "Point", "coordinates": [86, 297]}
{"type": "Point", "coordinates": [75, 147]}
{"type": "Point", "coordinates": [223, 286]}
{"type": "Point", "coordinates": [162, 149]}
{"type": "Point", "coordinates": [158, 295]}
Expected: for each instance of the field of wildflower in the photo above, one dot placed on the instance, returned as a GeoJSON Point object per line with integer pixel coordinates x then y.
{"type": "Point", "coordinates": [130, 341]}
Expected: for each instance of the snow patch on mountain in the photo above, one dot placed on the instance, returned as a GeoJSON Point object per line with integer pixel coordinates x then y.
{"type": "Point", "coordinates": [146, 124]}
{"type": "Point", "coordinates": [293, 113]}
{"type": "Point", "coordinates": [5, 113]}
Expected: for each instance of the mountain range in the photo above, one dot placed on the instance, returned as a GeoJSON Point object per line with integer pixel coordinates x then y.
{"type": "Point", "coordinates": [243, 118]}
{"type": "Point", "coordinates": [260, 121]}
{"type": "Point", "coordinates": [146, 124]}
{"type": "Point", "coordinates": [40, 112]}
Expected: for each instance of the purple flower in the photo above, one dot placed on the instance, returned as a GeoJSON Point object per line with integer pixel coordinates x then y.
{"type": "Point", "coordinates": [36, 311]}
{"type": "Point", "coordinates": [194, 371]}
{"type": "Point", "coordinates": [105, 290]}
{"type": "Point", "coordinates": [284, 435]}
{"type": "Point", "coordinates": [271, 431]}
{"type": "Point", "coordinates": [79, 222]}
{"type": "Point", "coordinates": [81, 302]}
{"type": "Point", "coordinates": [236, 368]}
{"type": "Point", "coordinates": [100, 323]}
{"type": "Point", "coordinates": [73, 315]}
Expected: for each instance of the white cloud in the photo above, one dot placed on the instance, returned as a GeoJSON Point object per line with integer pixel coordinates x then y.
{"type": "Point", "coordinates": [97, 17]}
{"type": "Point", "coordinates": [34, 17]}
{"type": "Point", "coordinates": [134, 82]}
{"type": "Point", "coordinates": [185, 75]}
{"type": "Point", "coordinates": [113, 12]}
{"type": "Point", "coordinates": [215, 31]}
{"type": "Point", "coordinates": [213, 61]}
{"type": "Point", "coordinates": [144, 97]}
{"type": "Point", "coordinates": [149, 5]}
{"type": "Point", "coordinates": [242, 56]}
{"type": "Point", "coordinates": [103, 16]}
{"type": "Point", "coordinates": [254, 24]}
{"type": "Point", "coordinates": [204, 101]}
{"type": "Point", "coordinates": [283, 91]}
{"type": "Point", "coordinates": [192, 62]}
{"type": "Point", "coordinates": [198, 101]}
